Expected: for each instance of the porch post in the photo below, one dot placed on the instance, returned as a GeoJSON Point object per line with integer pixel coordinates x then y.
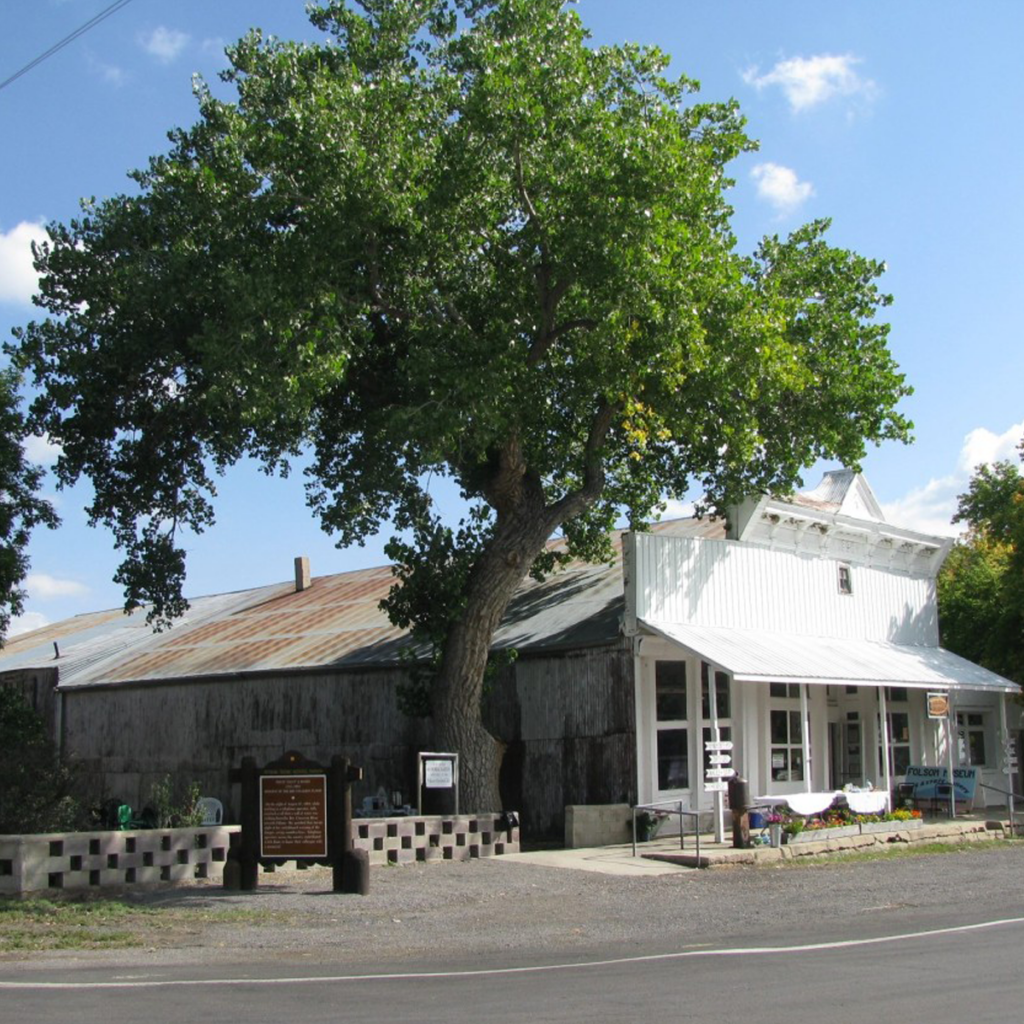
{"type": "Point", "coordinates": [806, 736]}
{"type": "Point", "coordinates": [716, 737]}
{"type": "Point", "coordinates": [887, 774]}
{"type": "Point", "coordinates": [952, 736]}
{"type": "Point", "coordinates": [1007, 749]}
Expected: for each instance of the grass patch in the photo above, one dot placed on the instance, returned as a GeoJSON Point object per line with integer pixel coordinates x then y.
{"type": "Point", "coordinates": [54, 924]}
{"type": "Point", "coordinates": [900, 851]}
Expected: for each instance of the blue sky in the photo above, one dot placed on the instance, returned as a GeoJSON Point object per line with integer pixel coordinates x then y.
{"type": "Point", "coordinates": [901, 121]}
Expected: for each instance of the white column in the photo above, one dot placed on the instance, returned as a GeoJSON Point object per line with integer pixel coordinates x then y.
{"type": "Point", "coordinates": [716, 737]}
{"type": "Point", "coordinates": [884, 721]}
{"type": "Point", "coordinates": [806, 737]}
{"type": "Point", "coordinates": [1007, 749]}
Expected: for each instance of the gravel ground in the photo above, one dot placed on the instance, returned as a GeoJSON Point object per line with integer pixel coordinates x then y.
{"type": "Point", "coordinates": [502, 911]}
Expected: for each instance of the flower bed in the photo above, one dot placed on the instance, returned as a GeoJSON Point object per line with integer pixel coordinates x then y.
{"type": "Point", "coordinates": [839, 822]}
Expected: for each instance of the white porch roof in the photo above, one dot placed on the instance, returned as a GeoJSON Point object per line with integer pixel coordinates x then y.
{"type": "Point", "coordinates": [771, 657]}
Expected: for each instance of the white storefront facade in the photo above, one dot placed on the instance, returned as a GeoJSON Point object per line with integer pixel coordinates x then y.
{"type": "Point", "coordinates": [818, 623]}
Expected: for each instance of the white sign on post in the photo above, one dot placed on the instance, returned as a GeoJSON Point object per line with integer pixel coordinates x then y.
{"type": "Point", "coordinates": [718, 745]}
{"type": "Point", "coordinates": [720, 773]}
{"type": "Point", "coordinates": [438, 774]}
{"type": "Point", "coordinates": [716, 787]}
{"type": "Point", "coordinates": [720, 758]}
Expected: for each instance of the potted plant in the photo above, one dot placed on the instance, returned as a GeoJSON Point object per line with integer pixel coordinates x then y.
{"type": "Point", "coordinates": [775, 821]}
{"type": "Point", "coordinates": [792, 827]}
{"type": "Point", "coordinates": [647, 825]}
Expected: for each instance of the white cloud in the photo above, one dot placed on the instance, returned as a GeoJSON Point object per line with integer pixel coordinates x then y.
{"type": "Point", "coordinates": [42, 587]}
{"type": "Point", "coordinates": [781, 187]}
{"type": "Point", "coordinates": [164, 43]}
{"type": "Point", "coordinates": [41, 450]}
{"type": "Point", "coordinates": [931, 508]}
{"type": "Point", "coordinates": [26, 623]}
{"type": "Point", "coordinates": [18, 278]}
{"type": "Point", "coordinates": [110, 73]}
{"type": "Point", "coordinates": [981, 446]}
{"type": "Point", "coordinates": [807, 82]}
{"type": "Point", "coordinates": [928, 509]}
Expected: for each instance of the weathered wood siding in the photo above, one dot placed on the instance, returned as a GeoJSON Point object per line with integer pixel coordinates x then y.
{"type": "Point", "coordinates": [576, 732]}
{"type": "Point", "coordinates": [568, 720]}
{"type": "Point", "coordinates": [127, 737]}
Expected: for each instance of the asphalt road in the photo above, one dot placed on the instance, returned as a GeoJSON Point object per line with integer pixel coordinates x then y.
{"type": "Point", "coordinates": [832, 943]}
{"type": "Point", "coordinates": [936, 975]}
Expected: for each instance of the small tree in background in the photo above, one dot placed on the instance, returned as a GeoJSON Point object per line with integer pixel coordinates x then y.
{"type": "Point", "coordinates": [981, 585]}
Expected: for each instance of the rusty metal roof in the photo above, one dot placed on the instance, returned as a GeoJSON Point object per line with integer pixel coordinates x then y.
{"type": "Point", "coordinates": [335, 623]}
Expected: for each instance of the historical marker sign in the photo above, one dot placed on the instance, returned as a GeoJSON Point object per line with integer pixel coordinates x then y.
{"type": "Point", "coordinates": [293, 816]}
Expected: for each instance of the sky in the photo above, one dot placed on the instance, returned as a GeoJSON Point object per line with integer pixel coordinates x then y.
{"type": "Point", "coordinates": [901, 122]}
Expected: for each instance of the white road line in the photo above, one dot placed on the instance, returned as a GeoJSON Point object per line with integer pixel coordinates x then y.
{"type": "Point", "coordinates": [810, 947]}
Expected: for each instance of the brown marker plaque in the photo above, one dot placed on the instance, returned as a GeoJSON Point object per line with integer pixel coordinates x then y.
{"type": "Point", "coordinates": [293, 816]}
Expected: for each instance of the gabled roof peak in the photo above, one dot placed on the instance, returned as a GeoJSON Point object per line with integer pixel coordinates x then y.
{"type": "Point", "coordinates": [844, 491]}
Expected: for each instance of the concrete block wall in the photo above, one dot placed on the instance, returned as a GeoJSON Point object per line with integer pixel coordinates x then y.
{"type": "Point", "coordinates": [589, 825]}
{"type": "Point", "coordinates": [84, 860]}
{"type": "Point", "coordinates": [434, 838]}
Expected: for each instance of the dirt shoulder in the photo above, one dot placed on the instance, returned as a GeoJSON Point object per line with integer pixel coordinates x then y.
{"type": "Point", "coordinates": [502, 911]}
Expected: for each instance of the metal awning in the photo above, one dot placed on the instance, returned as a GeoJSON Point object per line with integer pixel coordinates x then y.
{"type": "Point", "coordinates": [762, 656]}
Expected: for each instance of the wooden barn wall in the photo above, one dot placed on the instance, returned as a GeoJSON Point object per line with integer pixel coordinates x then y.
{"type": "Point", "coordinates": [576, 733]}
{"type": "Point", "coordinates": [125, 738]}
{"type": "Point", "coordinates": [567, 719]}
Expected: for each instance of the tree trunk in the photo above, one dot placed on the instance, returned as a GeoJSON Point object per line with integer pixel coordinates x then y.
{"type": "Point", "coordinates": [458, 724]}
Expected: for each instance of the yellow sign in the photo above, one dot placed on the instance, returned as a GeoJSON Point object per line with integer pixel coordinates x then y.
{"type": "Point", "coordinates": [938, 705]}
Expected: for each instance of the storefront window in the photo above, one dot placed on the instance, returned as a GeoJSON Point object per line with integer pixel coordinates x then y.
{"type": "Point", "coordinates": [673, 759]}
{"type": "Point", "coordinates": [972, 729]}
{"type": "Point", "coordinates": [786, 733]}
{"type": "Point", "coordinates": [898, 715]}
{"type": "Point", "coordinates": [672, 732]}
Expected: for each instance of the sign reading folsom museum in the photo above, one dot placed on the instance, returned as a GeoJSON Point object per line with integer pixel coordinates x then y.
{"type": "Point", "coordinates": [293, 816]}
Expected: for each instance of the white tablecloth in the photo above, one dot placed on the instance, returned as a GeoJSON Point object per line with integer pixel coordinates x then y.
{"type": "Point", "coordinates": [867, 802]}
{"type": "Point", "coordinates": [870, 802]}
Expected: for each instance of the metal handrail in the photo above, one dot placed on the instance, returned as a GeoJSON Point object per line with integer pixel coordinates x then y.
{"type": "Point", "coordinates": [677, 808]}
{"type": "Point", "coordinates": [1011, 810]}
{"type": "Point", "coordinates": [1005, 792]}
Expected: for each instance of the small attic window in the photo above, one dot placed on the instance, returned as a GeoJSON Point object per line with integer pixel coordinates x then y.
{"type": "Point", "coordinates": [845, 579]}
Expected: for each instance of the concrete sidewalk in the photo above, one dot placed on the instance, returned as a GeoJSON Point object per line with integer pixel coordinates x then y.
{"type": "Point", "coordinates": [663, 855]}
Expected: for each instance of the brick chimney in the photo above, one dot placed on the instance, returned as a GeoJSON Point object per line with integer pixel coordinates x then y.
{"type": "Point", "coordinates": [302, 579]}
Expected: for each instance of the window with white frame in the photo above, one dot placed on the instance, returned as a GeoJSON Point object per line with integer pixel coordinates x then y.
{"type": "Point", "coordinates": [973, 732]}
{"type": "Point", "coordinates": [897, 711]}
{"type": "Point", "coordinates": [845, 579]}
{"type": "Point", "coordinates": [672, 749]}
{"type": "Point", "coordinates": [786, 733]}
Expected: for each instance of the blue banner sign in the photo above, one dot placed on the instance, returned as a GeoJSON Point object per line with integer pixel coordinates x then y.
{"type": "Point", "coordinates": [926, 781]}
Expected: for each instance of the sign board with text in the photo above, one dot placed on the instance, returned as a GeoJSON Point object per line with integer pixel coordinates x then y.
{"type": "Point", "coordinates": [293, 816]}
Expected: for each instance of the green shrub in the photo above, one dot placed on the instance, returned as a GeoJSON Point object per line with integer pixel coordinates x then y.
{"type": "Point", "coordinates": [36, 787]}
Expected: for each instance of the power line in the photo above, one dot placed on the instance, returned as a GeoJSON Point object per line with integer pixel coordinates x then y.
{"type": "Point", "coordinates": [70, 38]}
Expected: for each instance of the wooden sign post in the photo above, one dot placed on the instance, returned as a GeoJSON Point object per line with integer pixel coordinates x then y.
{"type": "Point", "coordinates": [296, 809]}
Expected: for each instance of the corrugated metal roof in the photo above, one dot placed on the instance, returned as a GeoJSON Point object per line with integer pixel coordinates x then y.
{"type": "Point", "coordinates": [336, 622]}
{"type": "Point", "coordinates": [762, 656]}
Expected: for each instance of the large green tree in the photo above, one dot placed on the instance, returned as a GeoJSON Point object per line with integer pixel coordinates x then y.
{"type": "Point", "coordinates": [453, 239]}
{"type": "Point", "coordinates": [21, 507]}
{"type": "Point", "coordinates": [981, 585]}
